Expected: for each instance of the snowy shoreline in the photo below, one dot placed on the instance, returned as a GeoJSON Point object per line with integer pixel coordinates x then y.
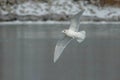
{"type": "Point", "coordinates": [59, 10]}
{"type": "Point", "coordinates": [52, 22]}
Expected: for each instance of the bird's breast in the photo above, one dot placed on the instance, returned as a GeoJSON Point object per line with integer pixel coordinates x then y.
{"type": "Point", "coordinates": [71, 33]}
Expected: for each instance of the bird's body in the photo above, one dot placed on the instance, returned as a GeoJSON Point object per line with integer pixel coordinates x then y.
{"type": "Point", "coordinates": [73, 34]}
{"type": "Point", "coordinates": [70, 34]}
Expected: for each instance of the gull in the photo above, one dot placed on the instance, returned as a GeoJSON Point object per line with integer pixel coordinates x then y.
{"type": "Point", "coordinates": [69, 35]}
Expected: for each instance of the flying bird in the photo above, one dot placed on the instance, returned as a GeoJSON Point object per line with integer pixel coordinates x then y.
{"type": "Point", "coordinates": [69, 35]}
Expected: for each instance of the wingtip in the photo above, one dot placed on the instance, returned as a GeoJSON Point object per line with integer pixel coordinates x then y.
{"type": "Point", "coordinates": [82, 11]}
{"type": "Point", "coordinates": [55, 59]}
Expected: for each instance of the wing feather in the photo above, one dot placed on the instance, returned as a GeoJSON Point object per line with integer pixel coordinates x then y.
{"type": "Point", "coordinates": [61, 44]}
{"type": "Point", "coordinates": [75, 21]}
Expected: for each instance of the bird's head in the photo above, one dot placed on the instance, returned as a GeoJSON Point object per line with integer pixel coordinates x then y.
{"type": "Point", "coordinates": [64, 31]}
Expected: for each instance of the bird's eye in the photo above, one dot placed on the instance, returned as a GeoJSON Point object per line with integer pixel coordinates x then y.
{"type": "Point", "coordinates": [63, 31]}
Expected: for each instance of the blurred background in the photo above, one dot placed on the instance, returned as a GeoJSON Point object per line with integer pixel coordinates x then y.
{"type": "Point", "coordinates": [27, 49]}
{"type": "Point", "coordinates": [59, 10]}
{"type": "Point", "coordinates": [30, 29]}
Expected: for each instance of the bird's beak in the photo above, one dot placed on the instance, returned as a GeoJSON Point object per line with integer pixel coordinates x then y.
{"type": "Point", "coordinates": [63, 31]}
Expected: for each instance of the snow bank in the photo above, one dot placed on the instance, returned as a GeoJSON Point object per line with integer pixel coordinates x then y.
{"type": "Point", "coordinates": [67, 7]}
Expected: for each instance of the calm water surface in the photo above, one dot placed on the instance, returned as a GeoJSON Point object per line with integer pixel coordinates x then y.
{"type": "Point", "coordinates": [26, 53]}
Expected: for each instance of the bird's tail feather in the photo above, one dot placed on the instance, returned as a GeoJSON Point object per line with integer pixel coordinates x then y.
{"type": "Point", "coordinates": [82, 36]}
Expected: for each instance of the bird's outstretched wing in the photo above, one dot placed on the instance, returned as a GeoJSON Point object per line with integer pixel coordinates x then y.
{"type": "Point", "coordinates": [75, 21]}
{"type": "Point", "coordinates": [61, 44]}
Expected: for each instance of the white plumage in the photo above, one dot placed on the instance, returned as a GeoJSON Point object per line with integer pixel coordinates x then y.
{"type": "Point", "coordinates": [70, 34]}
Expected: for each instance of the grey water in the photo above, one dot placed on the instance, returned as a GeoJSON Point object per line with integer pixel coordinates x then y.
{"type": "Point", "coordinates": [26, 53]}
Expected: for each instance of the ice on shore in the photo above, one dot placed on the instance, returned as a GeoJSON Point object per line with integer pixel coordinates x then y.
{"type": "Point", "coordinates": [63, 6]}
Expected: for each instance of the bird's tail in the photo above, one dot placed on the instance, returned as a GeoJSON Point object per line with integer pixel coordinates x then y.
{"type": "Point", "coordinates": [81, 36]}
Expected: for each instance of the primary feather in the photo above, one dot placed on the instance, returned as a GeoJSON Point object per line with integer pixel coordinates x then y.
{"type": "Point", "coordinates": [75, 21]}
{"type": "Point", "coordinates": [61, 44]}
